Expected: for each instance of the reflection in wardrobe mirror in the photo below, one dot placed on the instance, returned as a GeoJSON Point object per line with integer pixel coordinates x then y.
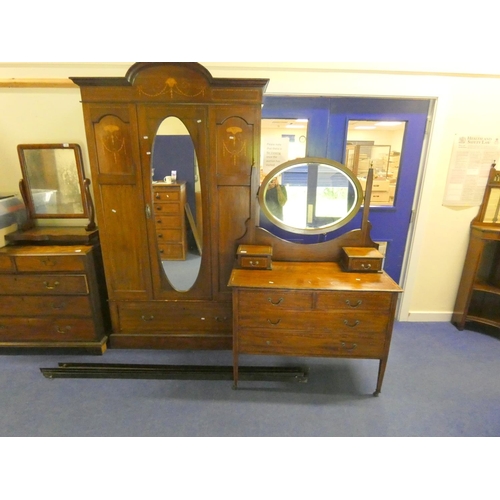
{"type": "Point", "coordinates": [310, 196]}
{"type": "Point", "coordinates": [177, 204]}
{"type": "Point", "coordinates": [281, 140]}
{"type": "Point", "coordinates": [377, 144]}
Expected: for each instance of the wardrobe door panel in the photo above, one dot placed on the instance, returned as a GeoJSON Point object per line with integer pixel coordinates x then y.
{"type": "Point", "coordinates": [120, 209]}
{"type": "Point", "coordinates": [237, 150]}
{"type": "Point", "coordinates": [235, 136]}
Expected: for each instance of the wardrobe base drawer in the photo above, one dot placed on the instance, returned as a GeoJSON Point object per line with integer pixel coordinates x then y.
{"type": "Point", "coordinates": [218, 341]}
{"type": "Point", "coordinates": [173, 317]}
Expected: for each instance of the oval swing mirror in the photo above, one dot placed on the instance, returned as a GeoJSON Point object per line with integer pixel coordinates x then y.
{"type": "Point", "coordinates": [310, 195]}
{"type": "Point", "coordinates": [177, 205]}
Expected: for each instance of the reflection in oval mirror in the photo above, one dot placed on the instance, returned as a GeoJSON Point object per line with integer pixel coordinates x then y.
{"type": "Point", "coordinates": [310, 195]}
{"type": "Point", "coordinates": [177, 203]}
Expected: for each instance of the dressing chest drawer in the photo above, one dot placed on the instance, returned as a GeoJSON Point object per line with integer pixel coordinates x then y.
{"type": "Point", "coordinates": [52, 297]}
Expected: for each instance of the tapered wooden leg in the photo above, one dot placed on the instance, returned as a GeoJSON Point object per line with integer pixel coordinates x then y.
{"type": "Point", "coordinates": [380, 379]}
{"type": "Point", "coordinates": [235, 369]}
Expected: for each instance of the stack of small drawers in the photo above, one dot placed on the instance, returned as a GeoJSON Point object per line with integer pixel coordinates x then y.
{"type": "Point", "coordinates": [168, 206]}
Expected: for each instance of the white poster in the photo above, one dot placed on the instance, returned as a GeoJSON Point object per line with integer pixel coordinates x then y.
{"type": "Point", "coordinates": [471, 160]}
{"type": "Point", "coordinates": [275, 152]}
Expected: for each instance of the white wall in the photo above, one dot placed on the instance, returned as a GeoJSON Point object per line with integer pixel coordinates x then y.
{"type": "Point", "coordinates": [467, 103]}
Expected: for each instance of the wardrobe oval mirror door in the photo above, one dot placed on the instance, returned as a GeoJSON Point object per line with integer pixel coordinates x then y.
{"type": "Point", "coordinates": [177, 204]}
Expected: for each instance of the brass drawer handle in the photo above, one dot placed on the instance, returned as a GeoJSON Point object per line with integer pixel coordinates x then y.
{"type": "Point", "coordinates": [358, 303]}
{"type": "Point", "coordinates": [366, 266]}
{"type": "Point", "coordinates": [220, 320]}
{"type": "Point", "coordinates": [252, 263]}
{"type": "Point", "coordinates": [275, 303]}
{"type": "Point", "coordinates": [59, 305]}
{"type": "Point", "coordinates": [50, 287]}
{"type": "Point", "coordinates": [274, 322]}
{"type": "Point", "coordinates": [349, 348]}
{"type": "Point", "coordinates": [346, 323]}
{"type": "Point", "coordinates": [147, 318]}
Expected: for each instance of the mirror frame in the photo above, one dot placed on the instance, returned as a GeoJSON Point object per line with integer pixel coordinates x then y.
{"type": "Point", "coordinates": [84, 183]}
{"type": "Point", "coordinates": [300, 161]}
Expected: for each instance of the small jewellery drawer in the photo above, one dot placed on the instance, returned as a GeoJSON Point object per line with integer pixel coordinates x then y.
{"type": "Point", "coordinates": [300, 343]}
{"type": "Point", "coordinates": [255, 256]}
{"type": "Point", "coordinates": [58, 305]}
{"type": "Point", "coordinates": [255, 301]}
{"type": "Point", "coordinates": [43, 284]}
{"type": "Point", "coordinates": [361, 259]}
{"type": "Point", "coordinates": [249, 262]}
{"type": "Point", "coordinates": [354, 300]}
{"type": "Point", "coordinates": [46, 329]}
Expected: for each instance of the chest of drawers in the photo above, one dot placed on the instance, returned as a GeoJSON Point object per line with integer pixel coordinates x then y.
{"type": "Point", "coordinates": [168, 206]}
{"type": "Point", "coordinates": [313, 309]}
{"type": "Point", "coordinates": [52, 297]}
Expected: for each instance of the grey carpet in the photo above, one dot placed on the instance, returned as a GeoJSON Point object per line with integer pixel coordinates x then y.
{"type": "Point", "coordinates": [439, 382]}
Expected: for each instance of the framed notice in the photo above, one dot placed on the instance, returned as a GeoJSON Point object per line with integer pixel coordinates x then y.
{"type": "Point", "coordinates": [471, 160]}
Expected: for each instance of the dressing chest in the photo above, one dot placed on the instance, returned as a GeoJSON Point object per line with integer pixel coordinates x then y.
{"type": "Point", "coordinates": [313, 309]}
{"type": "Point", "coordinates": [52, 297]}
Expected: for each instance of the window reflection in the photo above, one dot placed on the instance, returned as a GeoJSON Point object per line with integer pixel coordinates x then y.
{"type": "Point", "coordinates": [377, 144]}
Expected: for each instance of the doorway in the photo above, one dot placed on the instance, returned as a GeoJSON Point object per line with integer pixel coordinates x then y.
{"type": "Point", "coordinates": [392, 142]}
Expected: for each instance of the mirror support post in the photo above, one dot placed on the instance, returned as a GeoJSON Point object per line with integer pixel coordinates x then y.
{"type": "Point", "coordinates": [90, 206]}
{"type": "Point", "coordinates": [365, 224]}
{"type": "Point", "coordinates": [29, 224]}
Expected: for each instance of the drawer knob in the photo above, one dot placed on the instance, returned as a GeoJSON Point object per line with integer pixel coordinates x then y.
{"type": "Point", "coordinates": [147, 318]}
{"type": "Point", "coordinates": [64, 329]}
{"type": "Point", "coordinates": [275, 303]}
{"type": "Point", "coordinates": [352, 325]}
{"type": "Point", "coordinates": [358, 303]}
{"type": "Point", "coordinates": [274, 322]}
{"type": "Point", "coordinates": [48, 262]}
{"type": "Point", "coordinates": [48, 286]}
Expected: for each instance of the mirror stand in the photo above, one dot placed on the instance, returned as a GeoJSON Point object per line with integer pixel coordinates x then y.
{"type": "Point", "coordinates": [54, 186]}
